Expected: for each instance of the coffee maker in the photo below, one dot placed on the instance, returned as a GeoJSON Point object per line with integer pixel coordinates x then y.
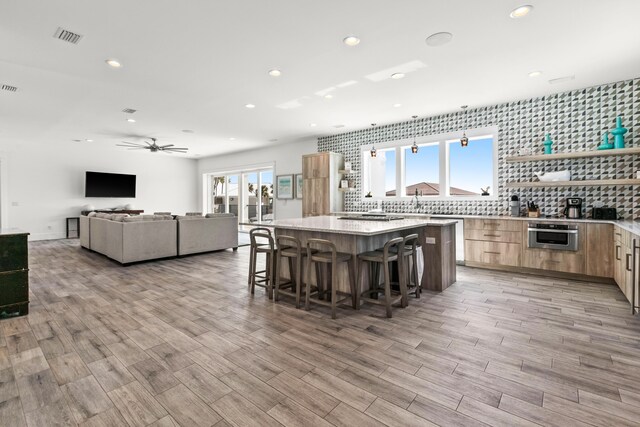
{"type": "Point", "coordinates": [574, 208]}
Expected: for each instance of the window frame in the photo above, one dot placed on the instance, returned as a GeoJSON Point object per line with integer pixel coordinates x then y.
{"type": "Point", "coordinates": [443, 152]}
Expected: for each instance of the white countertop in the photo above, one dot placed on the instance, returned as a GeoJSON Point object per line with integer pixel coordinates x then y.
{"type": "Point", "coordinates": [332, 224]}
{"type": "Point", "coordinates": [627, 225]}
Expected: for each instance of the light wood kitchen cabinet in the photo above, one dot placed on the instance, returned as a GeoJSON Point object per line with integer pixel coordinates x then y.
{"type": "Point", "coordinates": [600, 250]}
{"type": "Point", "coordinates": [320, 182]}
{"type": "Point", "coordinates": [495, 253]}
{"type": "Point", "coordinates": [557, 260]}
{"type": "Point", "coordinates": [624, 270]}
{"type": "Point", "coordinates": [492, 242]}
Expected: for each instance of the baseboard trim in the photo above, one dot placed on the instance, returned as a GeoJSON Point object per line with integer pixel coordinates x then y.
{"type": "Point", "coordinates": [544, 273]}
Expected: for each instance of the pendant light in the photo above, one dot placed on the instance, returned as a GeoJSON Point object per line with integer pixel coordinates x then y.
{"type": "Point", "coordinates": [464, 141]}
{"type": "Point", "coordinates": [373, 151]}
{"type": "Point", "coordinates": [414, 147]}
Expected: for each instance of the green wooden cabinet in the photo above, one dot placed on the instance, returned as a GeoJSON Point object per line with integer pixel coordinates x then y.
{"type": "Point", "coordinates": [14, 273]}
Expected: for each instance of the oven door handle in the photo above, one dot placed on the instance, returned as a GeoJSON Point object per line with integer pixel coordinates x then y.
{"type": "Point", "coordinates": [544, 230]}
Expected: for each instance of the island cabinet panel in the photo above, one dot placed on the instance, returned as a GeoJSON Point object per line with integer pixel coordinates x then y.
{"type": "Point", "coordinates": [14, 273]}
{"type": "Point", "coordinates": [600, 250]}
{"type": "Point", "coordinates": [320, 182]}
{"type": "Point", "coordinates": [624, 269]}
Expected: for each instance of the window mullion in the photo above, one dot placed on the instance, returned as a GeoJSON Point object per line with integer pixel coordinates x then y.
{"type": "Point", "coordinates": [444, 169]}
{"type": "Point", "coordinates": [400, 189]}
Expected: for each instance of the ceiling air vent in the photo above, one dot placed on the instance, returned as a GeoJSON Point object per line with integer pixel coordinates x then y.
{"type": "Point", "coordinates": [67, 36]}
{"type": "Point", "coordinates": [9, 88]}
{"type": "Point", "coordinates": [129, 110]}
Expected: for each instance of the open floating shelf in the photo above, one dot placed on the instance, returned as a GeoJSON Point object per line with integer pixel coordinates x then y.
{"type": "Point", "coordinates": [345, 172]}
{"type": "Point", "coordinates": [574, 155]}
{"type": "Point", "coordinates": [583, 183]}
{"type": "Point", "coordinates": [347, 189]}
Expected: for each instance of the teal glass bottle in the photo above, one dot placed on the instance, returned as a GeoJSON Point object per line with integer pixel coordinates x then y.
{"type": "Point", "coordinates": [547, 144]}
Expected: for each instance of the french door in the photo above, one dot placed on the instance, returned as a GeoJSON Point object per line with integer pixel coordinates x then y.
{"type": "Point", "coordinates": [248, 194]}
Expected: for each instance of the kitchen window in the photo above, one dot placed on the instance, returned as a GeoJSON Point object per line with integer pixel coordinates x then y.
{"type": "Point", "coordinates": [441, 169]}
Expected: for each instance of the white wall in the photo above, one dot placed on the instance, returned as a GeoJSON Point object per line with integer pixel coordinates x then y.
{"type": "Point", "coordinates": [46, 185]}
{"type": "Point", "coordinates": [286, 158]}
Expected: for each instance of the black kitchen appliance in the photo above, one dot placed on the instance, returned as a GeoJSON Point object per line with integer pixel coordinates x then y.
{"type": "Point", "coordinates": [574, 208]}
{"type": "Point", "coordinates": [604, 213]}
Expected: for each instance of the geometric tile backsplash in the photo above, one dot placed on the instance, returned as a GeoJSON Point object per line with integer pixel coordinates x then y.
{"type": "Point", "coordinates": [575, 120]}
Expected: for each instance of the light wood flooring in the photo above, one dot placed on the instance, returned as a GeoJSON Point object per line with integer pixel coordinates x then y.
{"type": "Point", "coordinates": [180, 342]}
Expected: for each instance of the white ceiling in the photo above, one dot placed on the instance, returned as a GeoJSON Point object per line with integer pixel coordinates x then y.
{"type": "Point", "coordinates": [195, 64]}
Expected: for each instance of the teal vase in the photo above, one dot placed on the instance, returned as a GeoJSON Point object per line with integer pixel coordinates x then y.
{"type": "Point", "coordinates": [606, 145]}
{"type": "Point", "coordinates": [618, 133]}
{"type": "Point", "coordinates": [547, 144]}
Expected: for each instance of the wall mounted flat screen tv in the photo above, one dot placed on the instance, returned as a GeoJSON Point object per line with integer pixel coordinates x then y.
{"type": "Point", "coordinates": [100, 184]}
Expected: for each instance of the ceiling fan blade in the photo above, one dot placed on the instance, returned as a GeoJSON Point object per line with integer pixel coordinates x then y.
{"type": "Point", "coordinates": [165, 146]}
{"type": "Point", "coordinates": [137, 148]}
{"type": "Point", "coordinates": [130, 145]}
{"type": "Point", "coordinates": [177, 148]}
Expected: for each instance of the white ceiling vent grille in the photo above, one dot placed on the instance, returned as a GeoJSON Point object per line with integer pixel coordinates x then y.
{"type": "Point", "coordinates": [129, 110]}
{"type": "Point", "coordinates": [9, 88]}
{"type": "Point", "coordinates": [67, 36]}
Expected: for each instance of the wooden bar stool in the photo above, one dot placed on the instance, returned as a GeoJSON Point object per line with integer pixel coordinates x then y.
{"type": "Point", "coordinates": [290, 248]}
{"type": "Point", "coordinates": [393, 251]}
{"type": "Point", "coordinates": [328, 256]}
{"type": "Point", "coordinates": [262, 243]}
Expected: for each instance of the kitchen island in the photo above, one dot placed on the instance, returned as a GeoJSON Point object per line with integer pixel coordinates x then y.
{"type": "Point", "coordinates": [354, 236]}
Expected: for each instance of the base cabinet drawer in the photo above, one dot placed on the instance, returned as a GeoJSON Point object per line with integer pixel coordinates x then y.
{"type": "Point", "coordinates": [493, 224]}
{"type": "Point", "coordinates": [495, 253]}
{"type": "Point", "coordinates": [494, 235]}
{"type": "Point", "coordinates": [555, 260]}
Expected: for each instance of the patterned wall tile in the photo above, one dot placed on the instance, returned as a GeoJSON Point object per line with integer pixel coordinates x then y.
{"type": "Point", "coordinates": [576, 121]}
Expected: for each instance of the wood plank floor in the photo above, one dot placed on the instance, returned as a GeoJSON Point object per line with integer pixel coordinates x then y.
{"type": "Point", "coordinates": [181, 342]}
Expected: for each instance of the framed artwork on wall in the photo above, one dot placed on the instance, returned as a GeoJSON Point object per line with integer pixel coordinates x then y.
{"type": "Point", "coordinates": [284, 187]}
{"type": "Point", "coordinates": [299, 186]}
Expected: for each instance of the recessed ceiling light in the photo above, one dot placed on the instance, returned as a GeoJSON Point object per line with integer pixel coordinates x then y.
{"type": "Point", "coordinates": [397, 76]}
{"type": "Point", "coordinates": [521, 11]}
{"type": "Point", "coordinates": [275, 73]}
{"type": "Point", "coordinates": [76, 140]}
{"type": "Point", "coordinates": [250, 106]}
{"type": "Point", "coordinates": [351, 41]}
{"type": "Point", "coordinates": [397, 105]}
{"type": "Point", "coordinates": [113, 63]}
{"type": "Point", "coordinates": [232, 139]}
{"type": "Point", "coordinates": [188, 131]}
{"type": "Point", "coordinates": [328, 96]}
{"type": "Point", "coordinates": [535, 74]}
{"type": "Point", "coordinates": [89, 140]}
{"type": "Point", "coordinates": [562, 79]}
{"type": "Point", "coordinates": [131, 120]}
{"type": "Point", "coordinates": [439, 39]}
{"type": "Point", "coordinates": [273, 140]}
{"type": "Point", "coordinates": [312, 125]}
{"type": "Point", "coordinates": [338, 126]}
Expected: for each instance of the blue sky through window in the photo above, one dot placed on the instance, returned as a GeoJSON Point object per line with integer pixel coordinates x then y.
{"type": "Point", "coordinates": [471, 167]}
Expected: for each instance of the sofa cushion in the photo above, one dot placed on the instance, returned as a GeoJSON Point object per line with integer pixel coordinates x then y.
{"type": "Point", "coordinates": [193, 214]}
{"type": "Point", "coordinates": [92, 214]}
{"type": "Point", "coordinates": [162, 217]}
{"type": "Point", "coordinates": [118, 217]}
{"type": "Point", "coordinates": [133, 218]}
{"type": "Point", "coordinates": [187, 218]}
{"type": "Point", "coordinates": [219, 215]}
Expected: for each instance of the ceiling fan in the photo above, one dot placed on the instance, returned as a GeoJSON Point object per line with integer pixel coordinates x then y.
{"type": "Point", "coordinates": [153, 147]}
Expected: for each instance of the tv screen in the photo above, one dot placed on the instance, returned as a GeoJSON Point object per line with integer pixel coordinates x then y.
{"type": "Point", "coordinates": [99, 184]}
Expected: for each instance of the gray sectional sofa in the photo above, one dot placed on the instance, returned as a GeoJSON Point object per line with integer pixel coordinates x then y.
{"type": "Point", "coordinates": [128, 239]}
